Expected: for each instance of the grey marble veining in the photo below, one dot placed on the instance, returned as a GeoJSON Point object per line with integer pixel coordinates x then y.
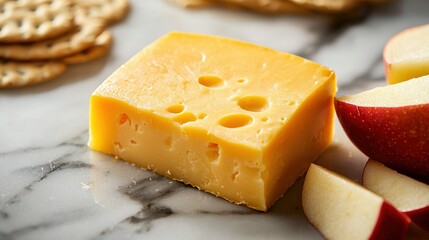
{"type": "Point", "coordinates": [53, 187]}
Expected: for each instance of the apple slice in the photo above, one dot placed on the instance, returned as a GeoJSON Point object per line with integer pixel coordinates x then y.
{"type": "Point", "coordinates": [406, 55]}
{"type": "Point", "coordinates": [391, 125]}
{"type": "Point", "coordinates": [341, 209]}
{"type": "Point", "coordinates": [406, 194]}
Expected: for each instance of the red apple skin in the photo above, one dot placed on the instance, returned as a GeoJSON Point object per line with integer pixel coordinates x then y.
{"type": "Point", "coordinates": [420, 217]}
{"type": "Point", "coordinates": [398, 137]}
{"type": "Point", "coordinates": [391, 224]}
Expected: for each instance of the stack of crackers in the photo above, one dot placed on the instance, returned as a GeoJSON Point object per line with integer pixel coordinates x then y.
{"type": "Point", "coordinates": [286, 6]}
{"type": "Point", "coordinates": [39, 38]}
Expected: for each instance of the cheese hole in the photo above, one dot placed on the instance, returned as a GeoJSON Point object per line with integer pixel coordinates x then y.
{"type": "Point", "coordinates": [234, 172]}
{"type": "Point", "coordinates": [235, 120]}
{"type": "Point", "coordinates": [206, 181]}
{"type": "Point", "coordinates": [234, 176]}
{"type": "Point", "coordinates": [253, 103]}
{"type": "Point", "coordinates": [123, 118]}
{"type": "Point", "coordinates": [168, 141]}
{"type": "Point", "coordinates": [202, 116]}
{"type": "Point", "coordinates": [118, 145]}
{"type": "Point", "coordinates": [211, 81]}
{"type": "Point", "coordinates": [212, 152]}
{"type": "Point", "coordinates": [185, 118]}
{"type": "Point", "coordinates": [264, 119]}
{"type": "Point", "coordinates": [178, 108]}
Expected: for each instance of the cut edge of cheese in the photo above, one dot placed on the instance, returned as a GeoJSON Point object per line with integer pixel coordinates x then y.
{"type": "Point", "coordinates": [180, 143]}
{"type": "Point", "coordinates": [299, 160]}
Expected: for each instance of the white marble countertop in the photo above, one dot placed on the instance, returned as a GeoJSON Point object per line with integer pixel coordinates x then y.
{"type": "Point", "coordinates": [53, 187]}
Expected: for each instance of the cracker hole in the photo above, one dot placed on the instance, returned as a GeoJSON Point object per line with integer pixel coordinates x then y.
{"type": "Point", "coordinates": [212, 152]}
{"type": "Point", "coordinates": [211, 81]}
{"type": "Point", "coordinates": [133, 142]}
{"type": "Point", "coordinates": [136, 128]}
{"type": "Point", "coordinates": [84, 52]}
{"type": "Point", "coordinates": [185, 118]}
{"type": "Point", "coordinates": [291, 103]}
{"type": "Point", "coordinates": [177, 108]}
{"type": "Point", "coordinates": [253, 103]}
{"type": "Point", "coordinates": [20, 71]}
{"type": "Point", "coordinates": [241, 80]}
{"type": "Point", "coordinates": [93, 11]}
{"type": "Point", "coordinates": [235, 120]}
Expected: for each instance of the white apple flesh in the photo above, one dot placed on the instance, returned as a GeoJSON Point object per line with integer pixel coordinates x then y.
{"type": "Point", "coordinates": [391, 125]}
{"type": "Point", "coordinates": [341, 209]}
{"type": "Point", "coordinates": [406, 194]}
{"type": "Point", "coordinates": [406, 55]}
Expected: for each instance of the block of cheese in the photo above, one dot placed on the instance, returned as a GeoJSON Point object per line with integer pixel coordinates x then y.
{"type": "Point", "coordinates": [231, 118]}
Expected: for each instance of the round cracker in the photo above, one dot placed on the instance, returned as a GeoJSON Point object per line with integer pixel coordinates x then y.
{"type": "Point", "coordinates": [101, 46]}
{"type": "Point", "coordinates": [266, 6]}
{"type": "Point", "coordinates": [19, 74]}
{"type": "Point", "coordinates": [29, 21]}
{"type": "Point", "coordinates": [193, 3]}
{"type": "Point", "coordinates": [377, 2]}
{"type": "Point", "coordinates": [109, 10]}
{"type": "Point", "coordinates": [329, 6]}
{"type": "Point", "coordinates": [79, 39]}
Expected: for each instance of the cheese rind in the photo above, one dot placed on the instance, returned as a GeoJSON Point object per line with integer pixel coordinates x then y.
{"type": "Point", "coordinates": [237, 120]}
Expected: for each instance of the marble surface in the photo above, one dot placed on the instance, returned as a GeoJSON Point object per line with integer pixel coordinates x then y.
{"type": "Point", "coordinates": [53, 187]}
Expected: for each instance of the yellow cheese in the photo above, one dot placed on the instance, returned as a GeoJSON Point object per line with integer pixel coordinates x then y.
{"type": "Point", "coordinates": [237, 120]}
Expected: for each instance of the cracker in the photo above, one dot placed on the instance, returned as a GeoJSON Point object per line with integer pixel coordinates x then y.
{"type": "Point", "coordinates": [193, 3]}
{"type": "Point", "coordinates": [377, 2]}
{"type": "Point", "coordinates": [109, 10]}
{"type": "Point", "coordinates": [267, 6]}
{"type": "Point", "coordinates": [79, 39]}
{"type": "Point", "coordinates": [19, 74]}
{"type": "Point", "coordinates": [329, 6]}
{"type": "Point", "coordinates": [101, 46]}
{"type": "Point", "coordinates": [28, 21]}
